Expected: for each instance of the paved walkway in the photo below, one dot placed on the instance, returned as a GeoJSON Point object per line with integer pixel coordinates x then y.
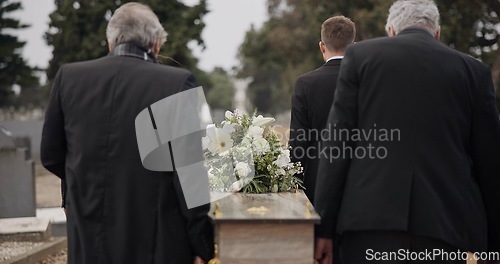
{"type": "Point", "coordinates": [48, 188]}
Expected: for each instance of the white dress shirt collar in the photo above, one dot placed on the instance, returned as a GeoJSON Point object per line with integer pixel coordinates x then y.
{"type": "Point", "coordinates": [335, 58]}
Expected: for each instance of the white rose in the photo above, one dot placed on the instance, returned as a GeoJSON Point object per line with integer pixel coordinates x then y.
{"type": "Point", "coordinates": [262, 121]}
{"type": "Point", "coordinates": [238, 185]}
{"type": "Point", "coordinates": [242, 169]}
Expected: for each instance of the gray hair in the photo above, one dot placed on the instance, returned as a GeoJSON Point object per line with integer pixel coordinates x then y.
{"type": "Point", "coordinates": [407, 13]}
{"type": "Point", "coordinates": [135, 22]}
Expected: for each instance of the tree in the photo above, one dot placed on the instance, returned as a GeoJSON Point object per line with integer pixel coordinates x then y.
{"type": "Point", "coordinates": [472, 27]}
{"type": "Point", "coordinates": [78, 31]}
{"type": "Point", "coordinates": [14, 69]}
{"type": "Point", "coordinates": [263, 64]}
{"type": "Point", "coordinates": [221, 93]}
{"type": "Point", "coordinates": [287, 44]}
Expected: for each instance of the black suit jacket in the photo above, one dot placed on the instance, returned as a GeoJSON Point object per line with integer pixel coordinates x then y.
{"type": "Point", "coordinates": [117, 211]}
{"type": "Point", "coordinates": [312, 99]}
{"type": "Point", "coordinates": [441, 177]}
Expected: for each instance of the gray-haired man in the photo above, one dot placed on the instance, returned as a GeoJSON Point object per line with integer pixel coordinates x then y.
{"type": "Point", "coordinates": [117, 211]}
{"type": "Point", "coordinates": [432, 192]}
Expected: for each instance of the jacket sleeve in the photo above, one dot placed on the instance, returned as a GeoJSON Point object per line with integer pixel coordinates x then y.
{"type": "Point", "coordinates": [486, 156]}
{"type": "Point", "coordinates": [199, 226]}
{"type": "Point", "coordinates": [332, 173]}
{"type": "Point", "coordinates": [299, 124]}
{"type": "Point", "coordinates": [53, 144]}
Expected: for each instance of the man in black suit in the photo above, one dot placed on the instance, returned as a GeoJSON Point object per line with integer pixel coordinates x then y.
{"type": "Point", "coordinates": [313, 96]}
{"type": "Point", "coordinates": [432, 179]}
{"type": "Point", "coordinates": [117, 211]}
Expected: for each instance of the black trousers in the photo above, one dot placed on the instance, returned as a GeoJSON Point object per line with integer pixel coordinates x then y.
{"type": "Point", "coordinates": [357, 247]}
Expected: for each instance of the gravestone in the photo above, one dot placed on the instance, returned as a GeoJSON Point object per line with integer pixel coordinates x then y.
{"type": "Point", "coordinates": [17, 181]}
{"type": "Point", "coordinates": [31, 129]}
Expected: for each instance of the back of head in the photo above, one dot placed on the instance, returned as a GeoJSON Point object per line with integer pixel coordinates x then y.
{"type": "Point", "coordinates": [337, 33]}
{"type": "Point", "coordinates": [135, 22]}
{"type": "Point", "coordinates": [407, 13]}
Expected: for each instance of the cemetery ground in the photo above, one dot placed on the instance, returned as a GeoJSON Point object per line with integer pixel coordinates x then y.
{"type": "Point", "coordinates": [48, 195]}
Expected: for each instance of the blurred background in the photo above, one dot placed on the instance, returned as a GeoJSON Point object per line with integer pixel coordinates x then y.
{"type": "Point", "coordinates": [245, 53]}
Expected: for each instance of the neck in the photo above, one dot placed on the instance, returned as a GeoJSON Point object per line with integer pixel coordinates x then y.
{"type": "Point", "coordinates": [133, 50]}
{"type": "Point", "coordinates": [328, 55]}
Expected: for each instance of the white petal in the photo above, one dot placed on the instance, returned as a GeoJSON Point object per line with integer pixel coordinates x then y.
{"type": "Point", "coordinates": [205, 142]}
{"type": "Point", "coordinates": [236, 186]}
{"type": "Point", "coordinates": [262, 121]}
{"type": "Point", "coordinates": [211, 132]}
{"type": "Point", "coordinates": [255, 131]}
{"type": "Point", "coordinates": [228, 128]}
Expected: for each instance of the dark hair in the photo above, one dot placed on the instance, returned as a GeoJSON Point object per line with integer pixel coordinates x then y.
{"type": "Point", "coordinates": [337, 32]}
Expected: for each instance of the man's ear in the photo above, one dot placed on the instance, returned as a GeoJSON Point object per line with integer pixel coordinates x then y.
{"type": "Point", "coordinates": [438, 33]}
{"type": "Point", "coordinates": [156, 47]}
{"type": "Point", "coordinates": [392, 32]}
{"type": "Point", "coordinates": [110, 47]}
{"type": "Point", "coordinates": [322, 47]}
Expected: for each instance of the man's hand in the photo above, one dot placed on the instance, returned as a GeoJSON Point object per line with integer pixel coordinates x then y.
{"type": "Point", "coordinates": [323, 250]}
{"type": "Point", "coordinates": [198, 260]}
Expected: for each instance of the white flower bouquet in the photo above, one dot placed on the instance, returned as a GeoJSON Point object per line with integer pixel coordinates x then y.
{"type": "Point", "coordinates": [244, 154]}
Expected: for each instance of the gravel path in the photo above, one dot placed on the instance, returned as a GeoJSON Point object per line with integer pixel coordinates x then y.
{"type": "Point", "coordinates": [57, 258]}
{"type": "Point", "coordinates": [9, 249]}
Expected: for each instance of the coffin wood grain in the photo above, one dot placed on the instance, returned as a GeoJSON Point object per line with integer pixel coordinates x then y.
{"type": "Point", "coordinates": [282, 234]}
{"type": "Point", "coordinates": [242, 243]}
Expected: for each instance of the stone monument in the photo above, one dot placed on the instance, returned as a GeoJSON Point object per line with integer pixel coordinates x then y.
{"type": "Point", "coordinates": [17, 182]}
